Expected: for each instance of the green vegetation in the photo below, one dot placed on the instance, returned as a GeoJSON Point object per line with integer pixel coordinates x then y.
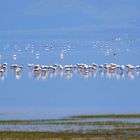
{"type": "Point", "coordinates": [61, 122]}
{"type": "Point", "coordinates": [107, 116]}
{"type": "Point", "coordinates": [120, 130]}
{"type": "Point", "coordinates": [115, 123]}
{"type": "Point", "coordinates": [117, 134]}
{"type": "Point", "coordinates": [72, 120]}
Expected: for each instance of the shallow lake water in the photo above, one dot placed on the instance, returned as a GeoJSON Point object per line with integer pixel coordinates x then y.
{"type": "Point", "coordinates": [26, 96]}
{"type": "Point", "coordinates": [75, 32]}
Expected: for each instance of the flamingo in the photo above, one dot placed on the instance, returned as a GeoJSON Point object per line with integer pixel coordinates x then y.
{"type": "Point", "coordinates": [130, 67]}
{"type": "Point", "coordinates": [138, 67]}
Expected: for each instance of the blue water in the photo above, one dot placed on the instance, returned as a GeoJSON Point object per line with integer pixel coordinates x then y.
{"type": "Point", "coordinates": [59, 95]}
{"type": "Point", "coordinates": [88, 31]}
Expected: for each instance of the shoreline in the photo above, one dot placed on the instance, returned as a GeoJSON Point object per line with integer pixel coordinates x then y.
{"type": "Point", "coordinates": [74, 127]}
{"type": "Point", "coordinates": [113, 135]}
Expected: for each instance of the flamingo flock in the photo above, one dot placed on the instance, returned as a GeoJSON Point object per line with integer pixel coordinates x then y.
{"type": "Point", "coordinates": [44, 71]}
{"type": "Point", "coordinates": [84, 67]}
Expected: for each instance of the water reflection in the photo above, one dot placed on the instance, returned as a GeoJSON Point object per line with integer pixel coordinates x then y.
{"type": "Point", "coordinates": [107, 70]}
{"type": "Point", "coordinates": [83, 73]}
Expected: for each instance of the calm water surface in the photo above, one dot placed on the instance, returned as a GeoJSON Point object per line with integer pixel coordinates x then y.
{"type": "Point", "coordinates": [28, 97]}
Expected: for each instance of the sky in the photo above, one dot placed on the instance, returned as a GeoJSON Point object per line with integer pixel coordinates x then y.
{"type": "Point", "coordinates": [75, 18]}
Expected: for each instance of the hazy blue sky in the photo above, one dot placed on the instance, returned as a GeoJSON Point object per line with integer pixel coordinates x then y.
{"type": "Point", "coordinates": [55, 18]}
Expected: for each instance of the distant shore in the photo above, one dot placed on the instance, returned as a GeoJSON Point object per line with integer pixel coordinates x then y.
{"type": "Point", "coordinates": [102, 127]}
{"type": "Point", "coordinates": [108, 116]}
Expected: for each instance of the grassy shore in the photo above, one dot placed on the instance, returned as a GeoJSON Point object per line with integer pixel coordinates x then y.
{"type": "Point", "coordinates": [107, 116]}
{"type": "Point", "coordinates": [69, 120]}
{"type": "Point", "coordinates": [126, 134]}
{"type": "Point", "coordinates": [36, 122]}
{"type": "Point", "coordinates": [121, 130]}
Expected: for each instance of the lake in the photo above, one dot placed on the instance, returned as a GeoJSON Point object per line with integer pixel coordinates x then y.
{"type": "Point", "coordinates": [59, 94]}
